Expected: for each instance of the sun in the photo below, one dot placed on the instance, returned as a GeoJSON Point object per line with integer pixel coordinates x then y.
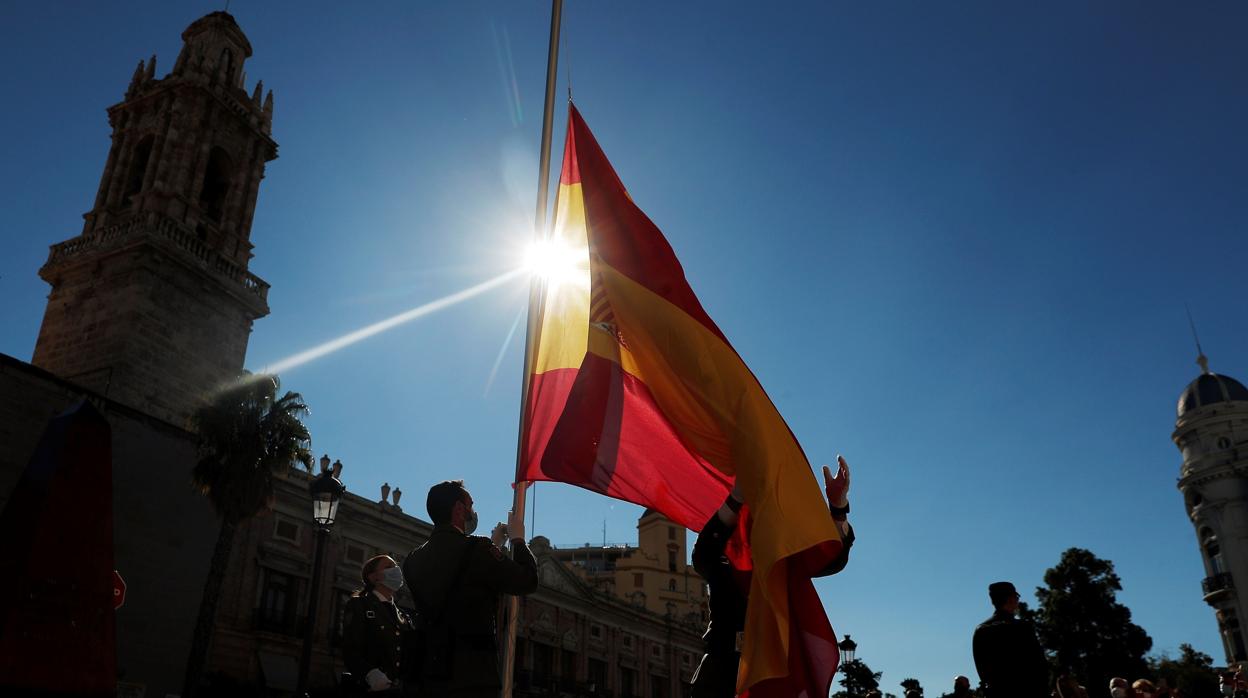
{"type": "Point", "coordinates": [557, 263]}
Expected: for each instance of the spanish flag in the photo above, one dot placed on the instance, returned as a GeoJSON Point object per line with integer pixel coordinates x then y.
{"type": "Point", "coordinates": [635, 393]}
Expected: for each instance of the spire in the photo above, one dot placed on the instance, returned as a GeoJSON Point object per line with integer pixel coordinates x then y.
{"type": "Point", "coordinates": [135, 79]}
{"type": "Point", "coordinates": [151, 69]}
{"type": "Point", "coordinates": [1201, 359]}
{"type": "Point", "coordinates": [255, 95]}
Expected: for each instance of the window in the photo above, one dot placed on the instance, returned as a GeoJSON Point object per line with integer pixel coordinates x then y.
{"type": "Point", "coordinates": [671, 561]}
{"type": "Point", "coordinates": [355, 553]}
{"type": "Point", "coordinates": [567, 670]}
{"type": "Point", "coordinates": [658, 686]}
{"type": "Point", "coordinates": [341, 598]}
{"type": "Point", "coordinates": [656, 651]}
{"type": "Point", "coordinates": [595, 631]}
{"type": "Point", "coordinates": [277, 603]}
{"type": "Point", "coordinates": [598, 677]}
{"type": "Point", "coordinates": [1213, 551]}
{"type": "Point", "coordinates": [227, 63]}
{"type": "Point", "coordinates": [628, 642]}
{"type": "Point", "coordinates": [216, 185]}
{"type": "Point", "coordinates": [671, 533]}
{"type": "Point", "coordinates": [628, 681]}
{"type": "Point", "coordinates": [543, 665]}
{"type": "Point", "coordinates": [638, 580]}
{"type": "Point", "coordinates": [671, 584]}
{"type": "Point", "coordinates": [286, 530]}
{"type": "Point", "coordinates": [138, 168]}
{"type": "Point", "coordinates": [1224, 443]}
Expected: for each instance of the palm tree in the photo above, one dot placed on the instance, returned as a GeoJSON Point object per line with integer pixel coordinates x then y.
{"type": "Point", "coordinates": [246, 435]}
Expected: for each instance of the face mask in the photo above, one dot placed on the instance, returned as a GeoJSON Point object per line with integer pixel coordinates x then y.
{"type": "Point", "coordinates": [1118, 692]}
{"type": "Point", "coordinates": [470, 522]}
{"type": "Point", "coordinates": [392, 577]}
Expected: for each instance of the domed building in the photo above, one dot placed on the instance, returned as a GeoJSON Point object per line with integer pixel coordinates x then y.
{"type": "Point", "coordinates": [1212, 434]}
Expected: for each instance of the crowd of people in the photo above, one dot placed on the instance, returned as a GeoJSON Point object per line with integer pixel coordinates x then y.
{"type": "Point", "coordinates": [450, 647]}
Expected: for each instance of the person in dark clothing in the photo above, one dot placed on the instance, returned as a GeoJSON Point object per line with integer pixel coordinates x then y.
{"type": "Point", "coordinates": [456, 580]}
{"type": "Point", "coordinates": [1007, 655]}
{"type": "Point", "coordinates": [373, 627]}
{"type": "Point", "coordinates": [962, 687]}
{"type": "Point", "coordinates": [716, 676]}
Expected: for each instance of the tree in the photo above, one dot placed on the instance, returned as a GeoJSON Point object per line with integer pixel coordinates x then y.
{"type": "Point", "coordinates": [1192, 672]}
{"type": "Point", "coordinates": [246, 435]}
{"type": "Point", "coordinates": [1081, 625]}
{"type": "Point", "coordinates": [908, 685]}
{"type": "Point", "coordinates": [857, 678]}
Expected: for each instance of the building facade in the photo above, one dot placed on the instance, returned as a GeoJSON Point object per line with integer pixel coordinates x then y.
{"type": "Point", "coordinates": [655, 574]}
{"type": "Point", "coordinates": [1211, 432]}
{"type": "Point", "coordinates": [573, 638]}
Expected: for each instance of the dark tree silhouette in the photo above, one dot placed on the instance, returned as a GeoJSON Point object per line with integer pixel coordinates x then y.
{"type": "Point", "coordinates": [1192, 671]}
{"type": "Point", "coordinates": [911, 685]}
{"type": "Point", "coordinates": [1081, 625]}
{"type": "Point", "coordinates": [857, 678]}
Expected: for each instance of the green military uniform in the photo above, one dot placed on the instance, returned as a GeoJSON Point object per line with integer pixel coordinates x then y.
{"type": "Point", "coordinates": [371, 636]}
{"type": "Point", "coordinates": [468, 611]}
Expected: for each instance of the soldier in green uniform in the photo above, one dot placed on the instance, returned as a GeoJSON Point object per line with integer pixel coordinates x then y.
{"type": "Point", "coordinates": [456, 580]}
{"type": "Point", "coordinates": [373, 627]}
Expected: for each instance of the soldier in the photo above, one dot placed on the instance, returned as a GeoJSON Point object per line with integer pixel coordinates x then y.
{"type": "Point", "coordinates": [456, 580]}
{"type": "Point", "coordinates": [1007, 654]}
{"type": "Point", "coordinates": [373, 627]}
{"type": "Point", "coordinates": [716, 676]}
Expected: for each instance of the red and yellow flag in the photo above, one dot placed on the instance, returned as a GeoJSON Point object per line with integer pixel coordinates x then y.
{"type": "Point", "coordinates": [635, 393]}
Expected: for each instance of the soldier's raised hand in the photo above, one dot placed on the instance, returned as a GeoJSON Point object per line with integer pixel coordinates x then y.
{"type": "Point", "coordinates": [837, 487]}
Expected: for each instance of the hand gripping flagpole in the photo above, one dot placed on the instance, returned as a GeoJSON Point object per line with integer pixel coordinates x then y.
{"type": "Point", "coordinates": [536, 300]}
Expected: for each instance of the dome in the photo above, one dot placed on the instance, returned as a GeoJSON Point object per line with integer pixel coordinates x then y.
{"type": "Point", "coordinates": [1208, 389]}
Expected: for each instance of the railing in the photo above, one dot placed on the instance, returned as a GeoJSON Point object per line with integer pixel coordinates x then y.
{"type": "Point", "coordinates": [1217, 583]}
{"type": "Point", "coordinates": [170, 230]}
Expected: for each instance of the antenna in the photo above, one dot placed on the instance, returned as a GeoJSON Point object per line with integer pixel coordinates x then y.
{"type": "Point", "coordinates": [1201, 359]}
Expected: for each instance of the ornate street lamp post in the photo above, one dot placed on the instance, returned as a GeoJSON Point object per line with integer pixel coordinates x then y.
{"type": "Point", "coordinates": [848, 647]}
{"type": "Point", "coordinates": [326, 490]}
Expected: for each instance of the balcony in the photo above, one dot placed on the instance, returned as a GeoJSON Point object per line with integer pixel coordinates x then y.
{"type": "Point", "coordinates": [1217, 586]}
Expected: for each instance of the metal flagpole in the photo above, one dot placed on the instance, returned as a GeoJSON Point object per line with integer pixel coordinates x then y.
{"type": "Point", "coordinates": [535, 302]}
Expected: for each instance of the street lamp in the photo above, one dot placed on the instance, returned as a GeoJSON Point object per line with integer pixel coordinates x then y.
{"type": "Point", "coordinates": [848, 647]}
{"type": "Point", "coordinates": [326, 490]}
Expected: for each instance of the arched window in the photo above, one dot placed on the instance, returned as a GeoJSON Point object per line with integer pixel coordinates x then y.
{"type": "Point", "coordinates": [216, 185]}
{"type": "Point", "coordinates": [671, 585]}
{"type": "Point", "coordinates": [227, 60]}
{"type": "Point", "coordinates": [138, 168]}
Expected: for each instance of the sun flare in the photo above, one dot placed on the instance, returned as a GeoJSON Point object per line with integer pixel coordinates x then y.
{"type": "Point", "coordinates": [557, 263]}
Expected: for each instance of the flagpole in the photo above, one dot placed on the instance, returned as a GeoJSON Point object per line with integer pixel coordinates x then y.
{"type": "Point", "coordinates": [535, 301]}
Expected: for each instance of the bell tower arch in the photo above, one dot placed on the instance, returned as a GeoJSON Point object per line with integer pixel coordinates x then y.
{"type": "Point", "coordinates": [153, 303]}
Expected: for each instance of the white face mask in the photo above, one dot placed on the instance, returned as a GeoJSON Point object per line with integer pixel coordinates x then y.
{"type": "Point", "coordinates": [470, 522]}
{"type": "Point", "coordinates": [392, 577]}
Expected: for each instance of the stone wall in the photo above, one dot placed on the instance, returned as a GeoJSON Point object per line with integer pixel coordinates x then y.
{"type": "Point", "coordinates": [163, 530]}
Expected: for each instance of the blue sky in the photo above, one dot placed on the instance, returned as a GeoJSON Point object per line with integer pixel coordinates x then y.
{"type": "Point", "coordinates": [953, 240]}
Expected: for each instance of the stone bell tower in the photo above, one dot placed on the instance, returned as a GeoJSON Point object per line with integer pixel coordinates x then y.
{"type": "Point", "coordinates": [152, 304]}
{"type": "Point", "coordinates": [1212, 434]}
